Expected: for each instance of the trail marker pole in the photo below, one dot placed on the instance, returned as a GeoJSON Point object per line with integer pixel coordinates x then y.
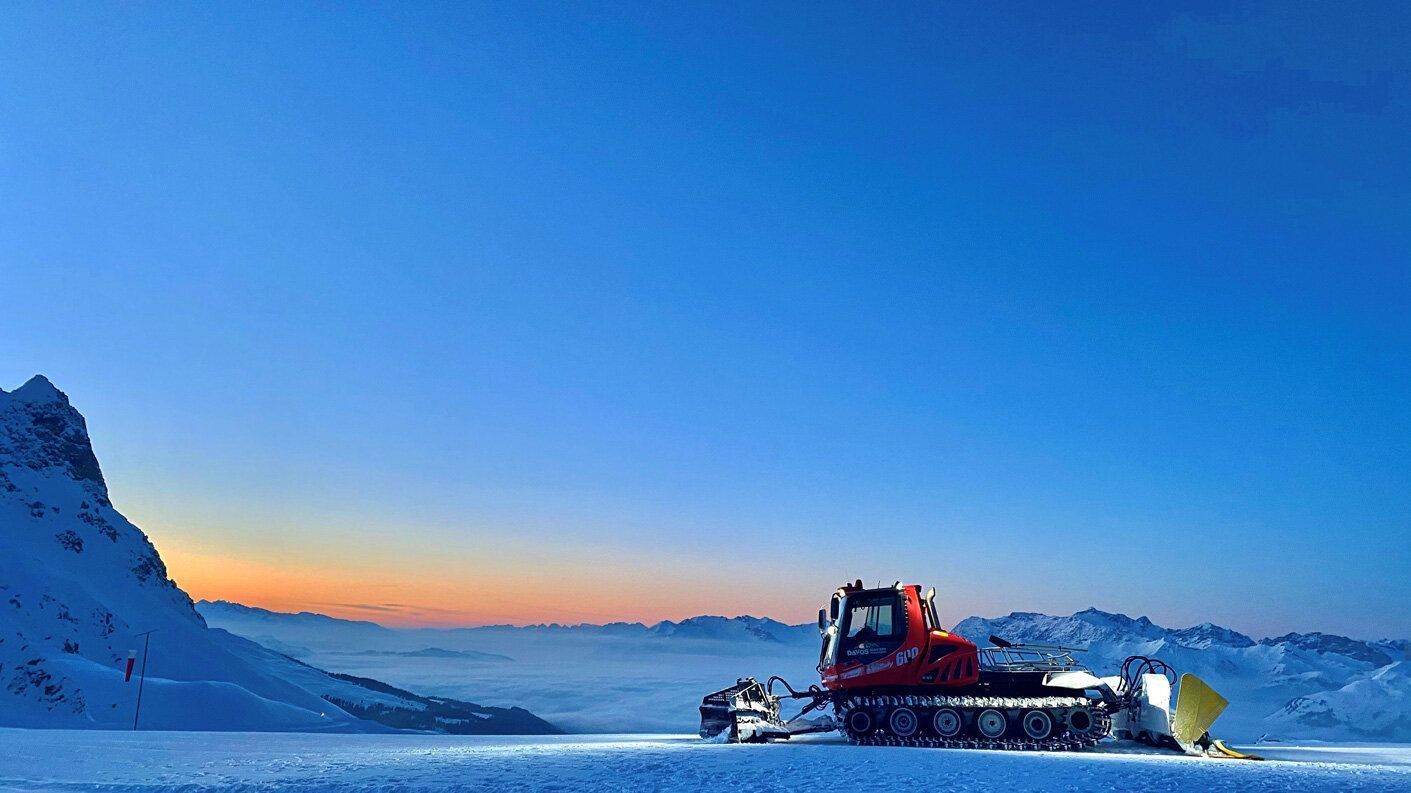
{"type": "Point", "coordinates": [141, 681]}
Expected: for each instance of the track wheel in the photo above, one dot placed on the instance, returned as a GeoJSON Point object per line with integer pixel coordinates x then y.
{"type": "Point", "coordinates": [903, 722]}
{"type": "Point", "coordinates": [991, 723]}
{"type": "Point", "coordinates": [860, 722]}
{"type": "Point", "coordinates": [947, 722]}
{"type": "Point", "coordinates": [1038, 724]}
{"type": "Point", "coordinates": [1080, 721]}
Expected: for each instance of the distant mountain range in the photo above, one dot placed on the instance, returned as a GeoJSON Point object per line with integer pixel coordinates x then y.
{"type": "Point", "coordinates": [249, 620]}
{"type": "Point", "coordinates": [80, 585]}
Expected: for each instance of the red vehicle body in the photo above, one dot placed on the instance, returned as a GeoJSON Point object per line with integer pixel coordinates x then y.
{"type": "Point", "coordinates": [894, 676]}
{"type": "Point", "coordinates": [884, 638]}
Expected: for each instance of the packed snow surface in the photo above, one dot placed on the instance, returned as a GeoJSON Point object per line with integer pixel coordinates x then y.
{"type": "Point", "coordinates": [117, 762]}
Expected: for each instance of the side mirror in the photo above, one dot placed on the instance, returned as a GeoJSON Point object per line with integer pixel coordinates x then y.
{"type": "Point", "coordinates": [822, 619]}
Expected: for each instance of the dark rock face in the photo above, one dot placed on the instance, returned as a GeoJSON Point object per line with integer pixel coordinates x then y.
{"type": "Point", "coordinates": [70, 540]}
{"type": "Point", "coordinates": [41, 432]}
{"type": "Point", "coordinates": [1331, 643]}
{"type": "Point", "coordinates": [44, 431]}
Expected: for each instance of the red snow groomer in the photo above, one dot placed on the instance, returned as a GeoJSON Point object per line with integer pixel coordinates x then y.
{"type": "Point", "coordinates": [893, 676]}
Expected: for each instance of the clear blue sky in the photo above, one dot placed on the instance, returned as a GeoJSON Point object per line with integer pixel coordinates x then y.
{"type": "Point", "coordinates": [653, 310]}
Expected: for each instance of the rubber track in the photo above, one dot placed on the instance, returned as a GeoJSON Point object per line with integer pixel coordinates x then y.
{"type": "Point", "coordinates": [1064, 742]}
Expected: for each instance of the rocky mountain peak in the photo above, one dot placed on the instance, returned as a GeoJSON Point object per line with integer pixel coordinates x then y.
{"type": "Point", "coordinates": [41, 431]}
{"type": "Point", "coordinates": [1318, 642]}
{"type": "Point", "coordinates": [1209, 634]}
{"type": "Point", "coordinates": [715, 627]}
{"type": "Point", "coordinates": [1097, 616]}
{"type": "Point", "coordinates": [37, 389]}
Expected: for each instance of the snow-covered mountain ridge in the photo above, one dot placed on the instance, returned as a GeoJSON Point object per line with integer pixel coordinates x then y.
{"type": "Point", "coordinates": [246, 620]}
{"type": "Point", "coordinates": [79, 584]}
{"type": "Point", "coordinates": [1096, 625]}
{"type": "Point", "coordinates": [1306, 685]}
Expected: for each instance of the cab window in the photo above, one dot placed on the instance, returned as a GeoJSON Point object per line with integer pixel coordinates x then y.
{"type": "Point", "coordinates": [873, 627]}
{"type": "Point", "coordinates": [872, 621]}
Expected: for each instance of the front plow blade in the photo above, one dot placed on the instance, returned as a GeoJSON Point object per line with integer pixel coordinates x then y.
{"type": "Point", "coordinates": [1197, 708]}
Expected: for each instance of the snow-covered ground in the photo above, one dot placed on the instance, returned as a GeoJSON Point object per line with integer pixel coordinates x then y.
{"type": "Point", "coordinates": [124, 761]}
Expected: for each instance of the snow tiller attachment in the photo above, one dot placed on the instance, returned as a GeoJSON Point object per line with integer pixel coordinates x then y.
{"type": "Point", "coordinates": [748, 712]}
{"type": "Point", "coordinates": [893, 677]}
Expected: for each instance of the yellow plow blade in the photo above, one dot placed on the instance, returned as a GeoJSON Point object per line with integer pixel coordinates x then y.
{"type": "Point", "coordinates": [1197, 708]}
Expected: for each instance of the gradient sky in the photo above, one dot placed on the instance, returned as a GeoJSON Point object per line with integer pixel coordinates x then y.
{"type": "Point", "coordinates": [464, 313]}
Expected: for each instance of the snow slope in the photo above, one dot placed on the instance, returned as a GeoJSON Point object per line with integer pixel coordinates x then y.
{"type": "Point", "coordinates": [1377, 705]}
{"type": "Point", "coordinates": [79, 583]}
{"type": "Point", "coordinates": [122, 762]}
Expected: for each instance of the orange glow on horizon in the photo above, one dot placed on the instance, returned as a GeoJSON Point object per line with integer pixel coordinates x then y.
{"type": "Point", "coordinates": [396, 597]}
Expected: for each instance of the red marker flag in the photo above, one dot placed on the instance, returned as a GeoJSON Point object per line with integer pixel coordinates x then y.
{"type": "Point", "coordinates": [131, 659]}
